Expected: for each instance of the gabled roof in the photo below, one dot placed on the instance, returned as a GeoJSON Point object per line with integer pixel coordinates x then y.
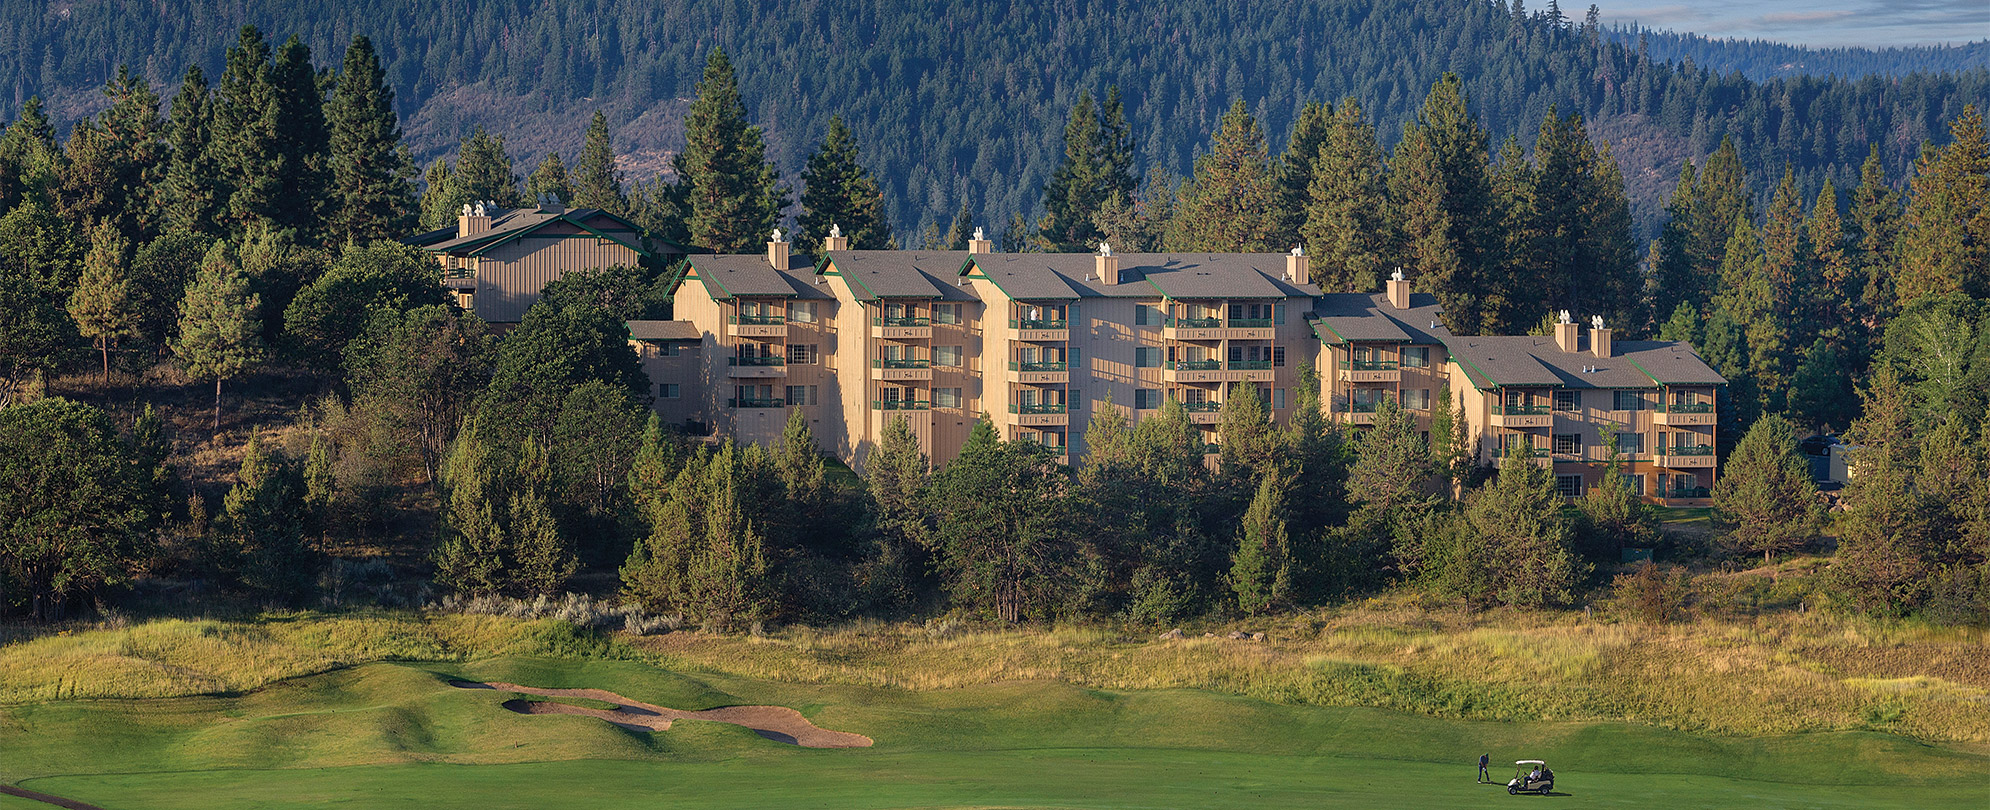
{"type": "Point", "coordinates": [736, 275]}
{"type": "Point", "coordinates": [1535, 360]}
{"type": "Point", "coordinates": [664, 330]}
{"type": "Point", "coordinates": [875, 274]}
{"type": "Point", "coordinates": [1062, 276]}
{"type": "Point", "coordinates": [1352, 317]}
{"type": "Point", "coordinates": [514, 223]}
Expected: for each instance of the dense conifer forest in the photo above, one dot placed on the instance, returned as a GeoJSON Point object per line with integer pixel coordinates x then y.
{"type": "Point", "coordinates": [963, 110]}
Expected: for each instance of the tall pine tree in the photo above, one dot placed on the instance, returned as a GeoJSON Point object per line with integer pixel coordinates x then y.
{"type": "Point", "coordinates": [1442, 202]}
{"type": "Point", "coordinates": [596, 182]}
{"type": "Point", "coordinates": [1231, 203]}
{"type": "Point", "coordinates": [193, 194]}
{"type": "Point", "coordinates": [372, 174]}
{"type": "Point", "coordinates": [733, 195]}
{"type": "Point", "coordinates": [838, 191]}
{"type": "Point", "coordinates": [1346, 222]}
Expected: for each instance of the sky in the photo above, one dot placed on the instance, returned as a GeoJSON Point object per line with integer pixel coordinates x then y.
{"type": "Point", "coordinates": [1818, 23]}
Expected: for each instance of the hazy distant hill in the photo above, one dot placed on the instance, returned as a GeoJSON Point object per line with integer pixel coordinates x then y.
{"type": "Point", "coordinates": [966, 101]}
{"type": "Point", "coordinates": [1762, 60]}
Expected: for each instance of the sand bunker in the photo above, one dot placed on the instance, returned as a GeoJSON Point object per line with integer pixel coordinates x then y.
{"type": "Point", "coordinates": [777, 723]}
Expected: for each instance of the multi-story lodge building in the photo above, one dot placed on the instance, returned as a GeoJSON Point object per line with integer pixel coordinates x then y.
{"type": "Point", "coordinates": [1037, 342]}
{"type": "Point", "coordinates": [496, 260]}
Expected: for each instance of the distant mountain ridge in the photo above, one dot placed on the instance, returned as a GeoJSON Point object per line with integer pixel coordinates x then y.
{"type": "Point", "coordinates": [966, 107]}
{"type": "Point", "coordinates": [1762, 60]}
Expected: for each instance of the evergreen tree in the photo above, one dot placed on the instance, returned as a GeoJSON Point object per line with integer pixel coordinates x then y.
{"type": "Point", "coordinates": [372, 174]}
{"type": "Point", "coordinates": [1249, 441]}
{"type": "Point", "coordinates": [261, 527]}
{"type": "Point", "coordinates": [1346, 206]}
{"type": "Point", "coordinates": [103, 304]}
{"type": "Point", "coordinates": [36, 336]}
{"type": "Point", "coordinates": [1835, 308]}
{"type": "Point", "coordinates": [1821, 390]}
{"type": "Point", "coordinates": [192, 194]}
{"type": "Point", "coordinates": [596, 181]}
{"type": "Point", "coordinates": [247, 143]}
{"type": "Point", "coordinates": [1261, 569]}
{"type": "Point", "coordinates": [1764, 498]}
{"type": "Point", "coordinates": [732, 192]}
{"type": "Point", "coordinates": [469, 559]}
{"type": "Point", "coordinates": [1876, 214]}
{"type": "Point", "coordinates": [895, 476]}
{"type": "Point", "coordinates": [220, 331]}
{"type": "Point", "coordinates": [1000, 526]}
{"type": "Point", "coordinates": [799, 462]}
{"type": "Point", "coordinates": [1676, 283]}
{"type": "Point", "coordinates": [1518, 522]}
{"type": "Point", "coordinates": [1297, 165]}
{"type": "Point", "coordinates": [1525, 242]}
{"type": "Point", "coordinates": [1097, 163]}
{"type": "Point", "coordinates": [542, 560]}
{"type": "Point", "coordinates": [482, 173]}
{"type": "Point", "coordinates": [297, 115]}
{"type": "Point", "coordinates": [30, 161]}
{"type": "Point", "coordinates": [837, 191]}
{"type": "Point", "coordinates": [1231, 203]}
{"type": "Point", "coordinates": [1442, 203]}
{"type": "Point", "coordinates": [1392, 463]}
{"type": "Point", "coordinates": [75, 510]}
{"type": "Point", "coordinates": [114, 161]}
{"type": "Point", "coordinates": [1944, 242]}
{"type": "Point", "coordinates": [549, 179]}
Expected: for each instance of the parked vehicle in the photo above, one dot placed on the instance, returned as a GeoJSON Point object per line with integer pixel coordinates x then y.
{"type": "Point", "coordinates": [1531, 776]}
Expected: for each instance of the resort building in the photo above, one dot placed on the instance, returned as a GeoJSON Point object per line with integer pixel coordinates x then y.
{"type": "Point", "coordinates": [1038, 341]}
{"type": "Point", "coordinates": [496, 260]}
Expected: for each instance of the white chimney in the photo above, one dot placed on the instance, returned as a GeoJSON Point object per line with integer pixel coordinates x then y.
{"type": "Point", "coordinates": [980, 243]}
{"type": "Point", "coordinates": [1399, 290]}
{"type": "Point", "coordinates": [1107, 264]}
{"type": "Point", "coordinates": [1298, 268]}
{"type": "Point", "coordinates": [777, 251]}
{"type": "Point", "coordinates": [1567, 333]}
{"type": "Point", "coordinates": [474, 220]}
{"type": "Point", "coordinates": [1599, 337]}
{"type": "Point", "coordinates": [836, 240]}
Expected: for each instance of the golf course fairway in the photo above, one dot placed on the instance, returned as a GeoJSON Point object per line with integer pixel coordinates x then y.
{"type": "Point", "coordinates": [399, 735]}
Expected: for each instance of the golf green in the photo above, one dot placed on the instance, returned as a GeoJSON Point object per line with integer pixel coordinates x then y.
{"type": "Point", "coordinates": [391, 735]}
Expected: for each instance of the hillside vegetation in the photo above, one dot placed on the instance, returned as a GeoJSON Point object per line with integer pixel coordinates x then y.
{"type": "Point", "coordinates": [964, 109]}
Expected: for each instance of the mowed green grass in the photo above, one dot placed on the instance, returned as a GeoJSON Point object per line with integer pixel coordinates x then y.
{"type": "Point", "coordinates": [393, 735]}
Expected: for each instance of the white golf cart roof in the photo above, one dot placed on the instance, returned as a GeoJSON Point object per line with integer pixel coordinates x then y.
{"type": "Point", "coordinates": [1528, 762]}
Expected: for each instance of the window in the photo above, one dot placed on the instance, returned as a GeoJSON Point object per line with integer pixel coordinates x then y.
{"type": "Point", "coordinates": [803, 354]}
{"type": "Point", "coordinates": [1416, 357]}
{"type": "Point", "coordinates": [1629, 401]}
{"type": "Point", "coordinates": [1146, 399]}
{"type": "Point", "coordinates": [667, 391]}
{"type": "Point", "coordinates": [1568, 400]}
{"type": "Point", "coordinates": [1277, 398]}
{"type": "Point", "coordinates": [1416, 399]}
{"type": "Point", "coordinates": [1278, 355]}
{"type": "Point", "coordinates": [1278, 313]}
{"type": "Point", "coordinates": [1146, 315]}
{"type": "Point", "coordinates": [946, 397]}
{"type": "Point", "coordinates": [1630, 444]}
{"type": "Point", "coordinates": [946, 313]}
{"type": "Point", "coordinates": [1508, 440]}
{"type": "Point", "coordinates": [1635, 482]}
{"type": "Point", "coordinates": [1568, 486]}
{"type": "Point", "coordinates": [1147, 357]}
{"type": "Point", "coordinates": [802, 394]}
{"type": "Point", "coordinates": [801, 311]}
{"type": "Point", "coordinates": [946, 356]}
{"type": "Point", "coordinates": [1074, 399]}
{"type": "Point", "coordinates": [1568, 444]}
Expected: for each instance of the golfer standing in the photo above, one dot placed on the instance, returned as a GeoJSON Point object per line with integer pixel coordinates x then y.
{"type": "Point", "coordinates": [1483, 761]}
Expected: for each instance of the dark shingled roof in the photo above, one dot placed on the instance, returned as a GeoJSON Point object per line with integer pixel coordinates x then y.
{"type": "Point", "coordinates": [733, 275]}
{"type": "Point", "coordinates": [1530, 360]}
{"type": "Point", "coordinates": [875, 274]}
{"type": "Point", "coordinates": [664, 330]}
{"type": "Point", "coordinates": [509, 222]}
{"type": "Point", "coordinates": [504, 223]}
{"type": "Point", "coordinates": [1349, 317]}
{"type": "Point", "coordinates": [1057, 276]}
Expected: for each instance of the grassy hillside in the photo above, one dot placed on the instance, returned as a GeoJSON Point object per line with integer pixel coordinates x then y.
{"type": "Point", "coordinates": [1019, 743]}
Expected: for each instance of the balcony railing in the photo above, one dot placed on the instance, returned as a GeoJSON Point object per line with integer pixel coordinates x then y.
{"type": "Point", "coordinates": [904, 321]}
{"type": "Point", "coordinates": [900, 362]}
{"type": "Point", "coordinates": [1202, 407]}
{"type": "Point", "coordinates": [1016, 365]}
{"type": "Point", "coordinates": [1369, 365]}
{"type": "Point", "coordinates": [1362, 407]}
{"type": "Point", "coordinates": [1037, 323]}
{"type": "Point", "coordinates": [760, 320]}
{"type": "Point", "coordinates": [1249, 323]}
{"type": "Point", "coordinates": [1249, 365]}
{"type": "Point", "coordinates": [757, 402]}
{"type": "Point", "coordinates": [1036, 407]}
{"type": "Point", "coordinates": [1522, 410]}
{"type": "Point", "coordinates": [1195, 323]}
{"type": "Point", "coordinates": [1211, 449]}
{"type": "Point", "coordinates": [1195, 365]}
{"type": "Point", "coordinates": [1695, 492]}
{"type": "Point", "coordinates": [1683, 450]}
{"type": "Point", "coordinates": [1537, 452]}
{"type": "Point", "coordinates": [900, 404]}
{"type": "Point", "coordinates": [755, 360]}
{"type": "Point", "coordinates": [459, 272]}
{"type": "Point", "coordinates": [1686, 407]}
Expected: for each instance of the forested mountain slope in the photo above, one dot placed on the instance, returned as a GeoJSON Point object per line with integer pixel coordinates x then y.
{"type": "Point", "coordinates": [967, 107]}
{"type": "Point", "coordinates": [1762, 60]}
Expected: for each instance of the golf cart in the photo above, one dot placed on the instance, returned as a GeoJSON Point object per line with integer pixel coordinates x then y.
{"type": "Point", "coordinates": [1531, 776]}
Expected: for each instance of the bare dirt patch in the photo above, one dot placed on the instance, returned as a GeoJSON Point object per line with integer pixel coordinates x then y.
{"type": "Point", "coordinates": [777, 723]}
